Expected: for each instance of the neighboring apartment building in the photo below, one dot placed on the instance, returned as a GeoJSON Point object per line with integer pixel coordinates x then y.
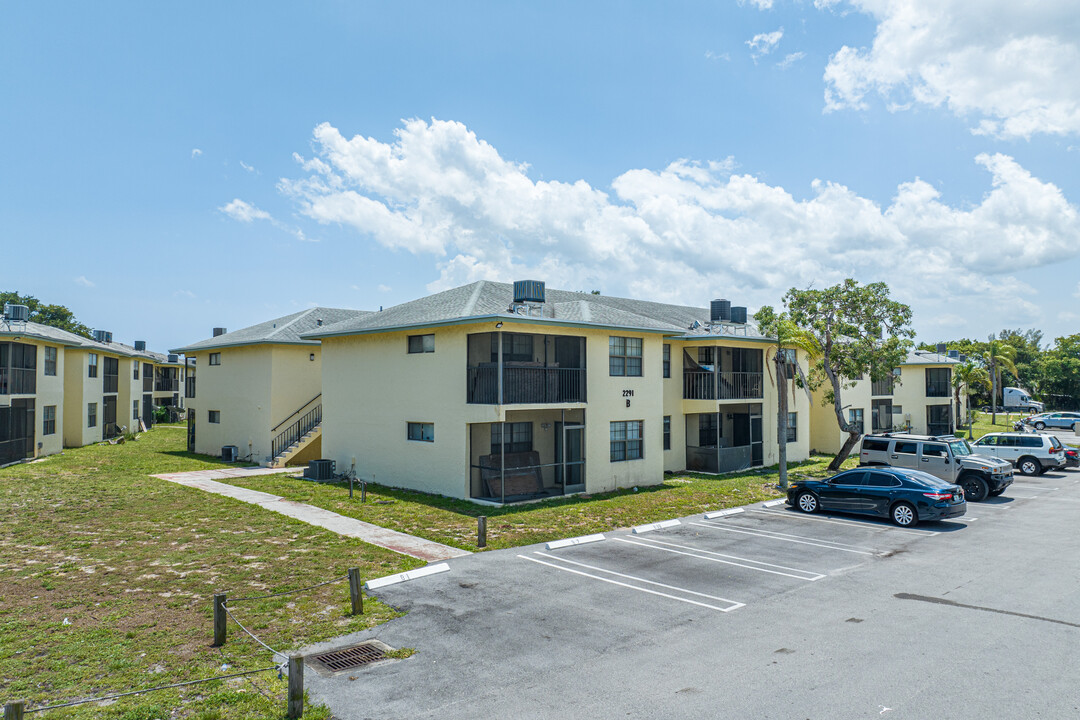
{"type": "Point", "coordinates": [917, 398]}
{"type": "Point", "coordinates": [259, 388]}
{"type": "Point", "coordinates": [498, 393]}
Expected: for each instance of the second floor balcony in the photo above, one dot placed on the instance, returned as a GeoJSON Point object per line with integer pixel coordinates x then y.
{"type": "Point", "coordinates": [508, 368]}
{"type": "Point", "coordinates": [166, 385]}
{"type": "Point", "coordinates": [18, 381]}
{"type": "Point", "coordinates": [710, 385]}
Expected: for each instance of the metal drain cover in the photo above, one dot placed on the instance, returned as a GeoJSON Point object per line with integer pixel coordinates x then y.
{"type": "Point", "coordinates": [351, 657]}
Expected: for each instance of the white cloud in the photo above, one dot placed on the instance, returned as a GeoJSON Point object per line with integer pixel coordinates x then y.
{"type": "Point", "coordinates": [81, 280]}
{"type": "Point", "coordinates": [383, 288]}
{"type": "Point", "coordinates": [759, 4]}
{"type": "Point", "coordinates": [764, 43]}
{"type": "Point", "coordinates": [710, 55]}
{"type": "Point", "coordinates": [790, 59]}
{"type": "Point", "coordinates": [184, 294]}
{"type": "Point", "coordinates": [244, 212]}
{"type": "Point", "coordinates": [687, 231]}
{"type": "Point", "coordinates": [195, 152]}
{"type": "Point", "coordinates": [247, 167]}
{"type": "Point", "coordinates": [1008, 66]}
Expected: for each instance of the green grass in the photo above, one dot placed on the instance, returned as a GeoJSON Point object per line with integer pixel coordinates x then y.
{"type": "Point", "coordinates": [107, 574]}
{"type": "Point", "coordinates": [453, 522]}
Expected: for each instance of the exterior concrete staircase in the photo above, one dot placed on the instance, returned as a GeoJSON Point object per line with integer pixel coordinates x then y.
{"type": "Point", "coordinates": [297, 433]}
{"type": "Point", "coordinates": [303, 443]}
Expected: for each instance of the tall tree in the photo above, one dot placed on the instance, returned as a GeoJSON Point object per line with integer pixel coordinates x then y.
{"type": "Point", "coordinates": [966, 376]}
{"type": "Point", "coordinates": [998, 356]}
{"type": "Point", "coordinates": [861, 331]}
{"type": "Point", "coordinates": [790, 339]}
{"type": "Point", "coordinates": [57, 316]}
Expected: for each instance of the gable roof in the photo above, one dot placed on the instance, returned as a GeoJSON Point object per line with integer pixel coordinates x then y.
{"type": "Point", "coordinates": [285, 330]}
{"type": "Point", "coordinates": [928, 357]}
{"type": "Point", "coordinates": [488, 300]}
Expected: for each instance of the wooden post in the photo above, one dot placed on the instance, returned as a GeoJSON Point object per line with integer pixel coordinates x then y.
{"type": "Point", "coordinates": [14, 710]}
{"type": "Point", "coordinates": [481, 532]}
{"type": "Point", "coordinates": [220, 619]}
{"type": "Point", "coordinates": [295, 707]}
{"type": "Point", "coordinates": [355, 591]}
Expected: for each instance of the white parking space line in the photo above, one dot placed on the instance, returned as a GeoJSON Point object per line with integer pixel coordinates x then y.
{"type": "Point", "coordinates": [704, 555]}
{"type": "Point", "coordinates": [798, 539]}
{"type": "Point", "coordinates": [849, 523]}
{"type": "Point", "coordinates": [1037, 488]}
{"type": "Point", "coordinates": [733, 605]}
{"type": "Point", "coordinates": [995, 506]}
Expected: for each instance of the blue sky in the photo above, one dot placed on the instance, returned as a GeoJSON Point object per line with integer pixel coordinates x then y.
{"type": "Point", "coordinates": [168, 169]}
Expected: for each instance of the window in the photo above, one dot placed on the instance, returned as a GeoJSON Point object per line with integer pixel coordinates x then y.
{"type": "Point", "coordinates": [882, 480]}
{"type": "Point", "coordinates": [213, 416]}
{"type": "Point", "coordinates": [91, 415]}
{"type": "Point", "coordinates": [518, 437]}
{"type": "Point", "coordinates": [136, 370]}
{"type": "Point", "coordinates": [423, 432]}
{"type": "Point", "coordinates": [92, 360]}
{"type": "Point", "coordinates": [516, 347]}
{"type": "Point", "coordinates": [855, 417]}
{"type": "Point", "coordinates": [875, 444]}
{"type": "Point", "coordinates": [708, 430]}
{"type": "Point", "coordinates": [135, 408]}
{"type": "Point", "coordinates": [907, 448]}
{"type": "Point", "coordinates": [706, 356]}
{"type": "Point", "coordinates": [50, 360]}
{"type": "Point", "coordinates": [48, 424]}
{"type": "Point", "coordinates": [1031, 442]}
{"type": "Point", "coordinates": [792, 427]}
{"type": "Point", "coordinates": [851, 478]}
{"type": "Point", "coordinates": [422, 343]}
{"type": "Point", "coordinates": [626, 440]}
{"type": "Point", "coordinates": [215, 358]}
{"type": "Point", "coordinates": [667, 360]}
{"type": "Point", "coordinates": [937, 382]}
{"type": "Point", "coordinates": [934, 450]}
{"type": "Point", "coordinates": [624, 356]}
{"type": "Point", "coordinates": [111, 382]}
{"type": "Point", "coordinates": [667, 430]}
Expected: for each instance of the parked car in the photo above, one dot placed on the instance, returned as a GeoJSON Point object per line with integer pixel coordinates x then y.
{"type": "Point", "coordinates": [904, 496]}
{"type": "Point", "coordinates": [946, 457]}
{"type": "Point", "coordinates": [1032, 454]}
{"type": "Point", "coordinates": [1072, 457]}
{"type": "Point", "coordinates": [1061, 420]}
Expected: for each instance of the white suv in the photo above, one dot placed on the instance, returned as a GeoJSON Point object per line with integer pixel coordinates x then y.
{"type": "Point", "coordinates": [1031, 454]}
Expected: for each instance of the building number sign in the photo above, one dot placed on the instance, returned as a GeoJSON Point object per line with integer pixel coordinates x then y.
{"type": "Point", "coordinates": [628, 394]}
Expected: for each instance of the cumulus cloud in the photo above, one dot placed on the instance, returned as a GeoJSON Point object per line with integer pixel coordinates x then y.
{"type": "Point", "coordinates": [244, 212]}
{"type": "Point", "coordinates": [710, 55]}
{"type": "Point", "coordinates": [759, 4]}
{"type": "Point", "coordinates": [764, 43]}
{"type": "Point", "coordinates": [790, 59]}
{"type": "Point", "coordinates": [1010, 67]}
{"type": "Point", "coordinates": [687, 231]}
{"type": "Point", "coordinates": [195, 152]}
{"type": "Point", "coordinates": [81, 280]}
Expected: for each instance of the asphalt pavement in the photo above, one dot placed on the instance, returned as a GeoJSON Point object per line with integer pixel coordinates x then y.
{"type": "Point", "coordinates": [767, 613]}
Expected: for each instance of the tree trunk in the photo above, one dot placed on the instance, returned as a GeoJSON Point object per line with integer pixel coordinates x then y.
{"type": "Point", "coordinates": [781, 421]}
{"type": "Point", "coordinates": [993, 394]}
{"type": "Point", "coordinates": [853, 435]}
{"type": "Point", "coordinates": [849, 444]}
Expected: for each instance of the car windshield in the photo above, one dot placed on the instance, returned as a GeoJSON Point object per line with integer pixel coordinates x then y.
{"type": "Point", "coordinates": [959, 448]}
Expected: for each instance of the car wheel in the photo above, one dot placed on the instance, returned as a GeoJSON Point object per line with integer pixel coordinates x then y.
{"type": "Point", "coordinates": [1029, 466]}
{"type": "Point", "coordinates": [904, 515]}
{"type": "Point", "coordinates": [1040, 425]}
{"type": "Point", "coordinates": [807, 502]}
{"type": "Point", "coordinates": [975, 488]}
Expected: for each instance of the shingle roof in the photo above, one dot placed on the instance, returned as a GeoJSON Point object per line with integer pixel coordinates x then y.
{"type": "Point", "coordinates": [284, 330]}
{"type": "Point", "coordinates": [487, 299]}
{"type": "Point", "coordinates": [63, 337]}
{"type": "Point", "coordinates": [928, 357]}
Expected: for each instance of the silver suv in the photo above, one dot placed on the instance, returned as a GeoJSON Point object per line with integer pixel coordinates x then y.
{"type": "Point", "coordinates": [1032, 454]}
{"type": "Point", "coordinates": [947, 457]}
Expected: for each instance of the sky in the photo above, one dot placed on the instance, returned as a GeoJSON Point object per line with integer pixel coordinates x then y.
{"type": "Point", "coordinates": [170, 168]}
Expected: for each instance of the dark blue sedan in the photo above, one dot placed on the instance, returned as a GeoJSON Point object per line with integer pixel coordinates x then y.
{"type": "Point", "coordinates": [904, 496]}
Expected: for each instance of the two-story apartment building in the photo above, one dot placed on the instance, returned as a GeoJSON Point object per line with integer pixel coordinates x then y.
{"type": "Point", "coordinates": [258, 389]}
{"type": "Point", "coordinates": [500, 393]}
{"type": "Point", "coordinates": [916, 398]}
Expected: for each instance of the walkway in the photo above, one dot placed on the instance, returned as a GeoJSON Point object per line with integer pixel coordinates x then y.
{"type": "Point", "coordinates": [350, 527]}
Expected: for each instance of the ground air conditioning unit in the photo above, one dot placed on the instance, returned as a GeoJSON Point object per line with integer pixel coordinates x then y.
{"type": "Point", "coordinates": [230, 453]}
{"type": "Point", "coordinates": [320, 470]}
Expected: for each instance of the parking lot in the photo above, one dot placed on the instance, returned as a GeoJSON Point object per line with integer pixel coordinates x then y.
{"type": "Point", "coordinates": [762, 613]}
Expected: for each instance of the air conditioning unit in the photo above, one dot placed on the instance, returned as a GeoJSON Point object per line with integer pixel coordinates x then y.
{"type": "Point", "coordinates": [230, 453]}
{"type": "Point", "coordinates": [16, 313]}
{"type": "Point", "coordinates": [103, 336]}
{"type": "Point", "coordinates": [173, 359]}
{"type": "Point", "coordinates": [320, 470]}
{"type": "Point", "coordinates": [140, 346]}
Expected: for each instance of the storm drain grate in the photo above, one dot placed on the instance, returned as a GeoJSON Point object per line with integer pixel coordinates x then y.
{"type": "Point", "coordinates": [349, 658]}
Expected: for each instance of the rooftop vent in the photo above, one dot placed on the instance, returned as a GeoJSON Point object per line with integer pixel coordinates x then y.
{"type": "Point", "coordinates": [16, 313]}
{"type": "Point", "coordinates": [219, 331]}
{"type": "Point", "coordinates": [318, 322]}
{"type": "Point", "coordinates": [738, 315]}
{"type": "Point", "coordinates": [140, 345]}
{"type": "Point", "coordinates": [174, 358]}
{"type": "Point", "coordinates": [529, 291]}
{"type": "Point", "coordinates": [720, 310]}
{"type": "Point", "coordinates": [954, 354]}
{"type": "Point", "coordinates": [941, 348]}
{"type": "Point", "coordinates": [962, 358]}
{"type": "Point", "coordinates": [102, 336]}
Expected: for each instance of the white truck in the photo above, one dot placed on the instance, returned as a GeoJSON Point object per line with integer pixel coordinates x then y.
{"type": "Point", "coordinates": [1019, 399]}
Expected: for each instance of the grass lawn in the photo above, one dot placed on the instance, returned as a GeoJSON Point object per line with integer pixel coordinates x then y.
{"type": "Point", "coordinates": [453, 522]}
{"type": "Point", "coordinates": [106, 578]}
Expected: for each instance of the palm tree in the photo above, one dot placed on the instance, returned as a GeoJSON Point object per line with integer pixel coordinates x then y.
{"type": "Point", "coordinates": [998, 356]}
{"type": "Point", "coordinates": [790, 339]}
{"type": "Point", "coordinates": [966, 376]}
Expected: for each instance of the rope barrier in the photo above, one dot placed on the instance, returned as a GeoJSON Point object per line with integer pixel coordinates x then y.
{"type": "Point", "coordinates": [253, 637]}
{"type": "Point", "coordinates": [288, 592]}
{"type": "Point", "coordinates": [153, 689]}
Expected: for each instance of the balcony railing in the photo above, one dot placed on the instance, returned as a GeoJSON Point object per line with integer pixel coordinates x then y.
{"type": "Point", "coordinates": [18, 381]}
{"type": "Point", "coordinates": [110, 383]}
{"type": "Point", "coordinates": [526, 385]}
{"type": "Point", "coordinates": [166, 385]}
{"type": "Point", "coordinates": [705, 385]}
{"type": "Point", "coordinates": [937, 388]}
{"type": "Point", "coordinates": [882, 387]}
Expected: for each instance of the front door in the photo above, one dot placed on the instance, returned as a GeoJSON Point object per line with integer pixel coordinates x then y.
{"type": "Point", "coordinates": [191, 432]}
{"type": "Point", "coordinates": [148, 410]}
{"type": "Point", "coordinates": [17, 431]}
{"type": "Point", "coordinates": [569, 454]}
{"type": "Point", "coordinates": [109, 428]}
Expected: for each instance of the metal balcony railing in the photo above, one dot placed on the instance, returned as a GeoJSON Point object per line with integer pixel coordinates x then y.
{"type": "Point", "coordinates": [706, 385]}
{"type": "Point", "coordinates": [526, 385]}
{"type": "Point", "coordinates": [18, 381]}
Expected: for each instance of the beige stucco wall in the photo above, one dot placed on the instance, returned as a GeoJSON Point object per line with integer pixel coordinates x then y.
{"type": "Point", "coordinates": [295, 378]}
{"type": "Point", "coordinates": [910, 394]}
{"type": "Point", "coordinates": [80, 390]}
{"type": "Point", "coordinates": [49, 390]}
{"type": "Point", "coordinates": [239, 388]}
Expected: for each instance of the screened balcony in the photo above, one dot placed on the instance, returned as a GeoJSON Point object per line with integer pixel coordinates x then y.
{"type": "Point", "coordinates": [509, 368]}
{"type": "Point", "coordinates": [722, 373]}
{"type": "Point", "coordinates": [724, 441]}
{"type": "Point", "coordinates": [18, 369]}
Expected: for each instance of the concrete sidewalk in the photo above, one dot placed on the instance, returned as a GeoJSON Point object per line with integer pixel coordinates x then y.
{"type": "Point", "coordinates": [350, 527]}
